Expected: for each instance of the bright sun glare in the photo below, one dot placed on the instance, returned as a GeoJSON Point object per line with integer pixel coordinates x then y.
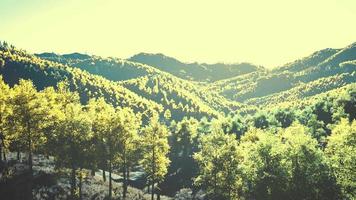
{"type": "Point", "coordinates": [268, 33]}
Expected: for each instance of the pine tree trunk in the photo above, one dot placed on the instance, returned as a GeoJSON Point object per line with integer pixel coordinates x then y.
{"type": "Point", "coordinates": [158, 195]}
{"type": "Point", "coordinates": [110, 181]}
{"type": "Point", "coordinates": [153, 172]}
{"type": "Point", "coordinates": [4, 155]}
{"type": "Point", "coordinates": [80, 184]}
{"type": "Point", "coordinates": [18, 155]}
{"type": "Point", "coordinates": [2, 146]}
{"type": "Point", "coordinates": [124, 186]}
{"type": "Point", "coordinates": [29, 149]}
{"type": "Point", "coordinates": [104, 175]}
{"type": "Point", "coordinates": [128, 176]}
{"type": "Point", "coordinates": [73, 183]}
{"type": "Point", "coordinates": [158, 192]}
{"type": "Point", "coordinates": [124, 169]}
{"type": "Point", "coordinates": [215, 184]}
{"type": "Point", "coordinates": [153, 190]}
{"type": "Point", "coordinates": [30, 164]}
{"type": "Point", "coordinates": [30, 161]}
{"type": "Point", "coordinates": [0, 152]}
{"type": "Point", "coordinates": [2, 149]}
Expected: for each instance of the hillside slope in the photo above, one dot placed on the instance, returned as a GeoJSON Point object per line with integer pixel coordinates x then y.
{"type": "Point", "coordinates": [323, 70]}
{"type": "Point", "coordinates": [147, 88]}
{"type": "Point", "coordinates": [195, 71]}
{"type": "Point", "coordinates": [185, 97]}
{"type": "Point", "coordinates": [181, 97]}
{"type": "Point", "coordinates": [17, 64]}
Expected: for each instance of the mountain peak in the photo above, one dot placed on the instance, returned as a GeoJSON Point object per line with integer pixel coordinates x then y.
{"type": "Point", "coordinates": [76, 55]}
{"type": "Point", "coordinates": [194, 71]}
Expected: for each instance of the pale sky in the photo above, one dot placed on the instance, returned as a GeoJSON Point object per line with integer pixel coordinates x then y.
{"type": "Point", "coordinates": [263, 32]}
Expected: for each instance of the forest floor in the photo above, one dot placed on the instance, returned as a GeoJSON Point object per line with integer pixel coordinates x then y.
{"type": "Point", "coordinates": [50, 183]}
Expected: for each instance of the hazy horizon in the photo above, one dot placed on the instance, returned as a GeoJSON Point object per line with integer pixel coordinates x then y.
{"type": "Point", "coordinates": [268, 34]}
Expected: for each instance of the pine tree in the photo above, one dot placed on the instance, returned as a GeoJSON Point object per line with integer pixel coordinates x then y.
{"type": "Point", "coordinates": [29, 114]}
{"type": "Point", "coordinates": [218, 164]}
{"type": "Point", "coordinates": [103, 115]}
{"type": "Point", "coordinates": [73, 136]}
{"type": "Point", "coordinates": [125, 126]}
{"type": "Point", "coordinates": [155, 149]}
{"type": "Point", "coordinates": [5, 113]}
{"type": "Point", "coordinates": [341, 154]}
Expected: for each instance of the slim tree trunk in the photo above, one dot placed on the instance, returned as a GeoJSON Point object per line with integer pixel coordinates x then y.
{"type": "Point", "coordinates": [124, 186]}
{"type": "Point", "coordinates": [104, 175]}
{"type": "Point", "coordinates": [73, 183]}
{"type": "Point", "coordinates": [153, 190]}
{"type": "Point", "coordinates": [4, 155]}
{"type": "Point", "coordinates": [30, 161]}
{"type": "Point", "coordinates": [158, 191]}
{"type": "Point", "coordinates": [0, 152]}
{"type": "Point", "coordinates": [2, 149]}
{"type": "Point", "coordinates": [18, 154]}
{"type": "Point", "coordinates": [110, 181]}
{"type": "Point", "coordinates": [2, 145]}
{"type": "Point", "coordinates": [29, 148]}
{"type": "Point", "coordinates": [80, 183]}
{"type": "Point", "coordinates": [215, 184]}
{"type": "Point", "coordinates": [124, 169]}
{"type": "Point", "coordinates": [153, 172]}
{"type": "Point", "coordinates": [128, 176]}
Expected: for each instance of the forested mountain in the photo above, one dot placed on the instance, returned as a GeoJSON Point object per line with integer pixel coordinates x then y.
{"type": "Point", "coordinates": [195, 71]}
{"type": "Point", "coordinates": [174, 130]}
{"type": "Point", "coordinates": [323, 70]}
{"type": "Point", "coordinates": [234, 84]}
{"type": "Point", "coordinates": [17, 64]}
{"type": "Point", "coordinates": [309, 61]}
{"type": "Point", "coordinates": [112, 68]}
{"type": "Point", "coordinates": [181, 97]}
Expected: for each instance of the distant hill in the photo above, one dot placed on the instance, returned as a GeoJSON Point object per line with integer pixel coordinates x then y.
{"type": "Point", "coordinates": [114, 69]}
{"type": "Point", "coordinates": [195, 71]}
{"type": "Point", "coordinates": [321, 71]}
{"type": "Point", "coordinates": [18, 64]}
{"type": "Point", "coordinates": [309, 61]}
{"type": "Point", "coordinates": [181, 97]}
{"type": "Point", "coordinates": [155, 82]}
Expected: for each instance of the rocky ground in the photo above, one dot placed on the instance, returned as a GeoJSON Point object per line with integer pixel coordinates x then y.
{"type": "Point", "coordinates": [50, 183]}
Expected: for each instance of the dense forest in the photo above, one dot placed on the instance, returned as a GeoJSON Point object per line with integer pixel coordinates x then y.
{"type": "Point", "coordinates": [78, 126]}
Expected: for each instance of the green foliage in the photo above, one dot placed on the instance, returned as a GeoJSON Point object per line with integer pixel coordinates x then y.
{"type": "Point", "coordinates": [29, 117]}
{"type": "Point", "coordinates": [293, 139]}
{"type": "Point", "coordinates": [284, 117]}
{"type": "Point", "coordinates": [43, 73]}
{"type": "Point", "coordinates": [180, 97]}
{"type": "Point", "coordinates": [218, 164]}
{"type": "Point", "coordinates": [308, 172]}
{"type": "Point", "coordinates": [5, 113]}
{"type": "Point", "coordinates": [262, 164]}
{"type": "Point", "coordinates": [73, 136]}
{"type": "Point", "coordinates": [155, 150]}
{"type": "Point", "coordinates": [321, 72]}
{"type": "Point", "coordinates": [185, 136]}
{"type": "Point", "coordinates": [341, 153]}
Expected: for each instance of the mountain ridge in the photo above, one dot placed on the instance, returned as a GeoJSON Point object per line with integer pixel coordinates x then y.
{"type": "Point", "coordinates": [316, 73]}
